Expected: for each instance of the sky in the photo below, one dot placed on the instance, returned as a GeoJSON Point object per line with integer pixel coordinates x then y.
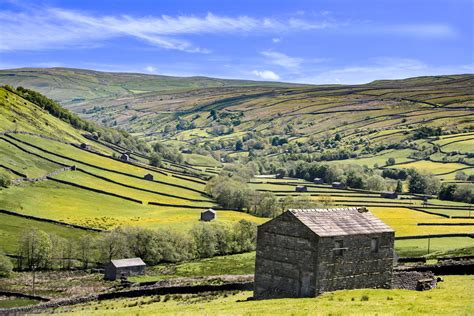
{"type": "Point", "coordinates": [307, 41]}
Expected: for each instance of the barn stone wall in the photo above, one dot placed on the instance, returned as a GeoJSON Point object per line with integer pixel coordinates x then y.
{"type": "Point", "coordinates": [284, 265]}
{"type": "Point", "coordinates": [358, 266]}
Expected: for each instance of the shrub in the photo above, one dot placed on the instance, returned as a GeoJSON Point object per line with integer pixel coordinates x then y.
{"type": "Point", "coordinates": [4, 181]}
{"type": "Point", "coordinates": [6, 266]}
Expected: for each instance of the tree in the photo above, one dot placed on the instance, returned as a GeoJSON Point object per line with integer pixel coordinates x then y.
{"type": "Point", "coordinates": [447, 192]}
{"type": "Point", "coordinates": [85, 250]}
{"type": "Point", "coordinates": [6, 265]}
{"type": "Point", "coordinates": [239, 145]}
{"type": "Point", "coordinates": [375, 183]}
{"type": "Point", "coordinates": [35, 249]}
{"type": "Point", "coordinates": [417, 183]}
{"type": "Point", "coordinates": [399, 188]}
{"type": "Point", "coordinates": [112, 245]}
{"type": "Point", "coordinates": [390, 161]}
{"type": "Point", "coordinates": [205, 240]}
{"type": "Point", "coordinates": [461, 175]}
{"type": "Point", "coordinates": [4, 180]}
{"type": "Point", "coordinates": [155, 160]}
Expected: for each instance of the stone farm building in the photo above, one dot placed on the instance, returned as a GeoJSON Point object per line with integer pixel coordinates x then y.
{"type": "Point", "coordinates": [208, 215]}
{"type": "Point", "coordinates": [301, 188]}
{"type": "Point", "coordinates": [318, 181]}
{"type": "Point", "coordinates": [148, 176]}
{"type": "Point", "coordinates": [302, 253]}
{"type": "Point", "coordinates": [116, 268]}
{"type": "Point", "coordinates": [338, 185]}
{"type": "Point", "coordinates": [389, 195]}
{"type": "Point", "coordinates": [125, 157]}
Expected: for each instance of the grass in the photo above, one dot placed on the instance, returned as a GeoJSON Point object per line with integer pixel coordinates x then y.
{"type": "Point", "coordinates": [435, 168]}
{"type": "Point", "coordinates": [11, 228]}
{"type": "Point", "coordinates": [195, 159]}
{"type": "Point", "coordinates": [9, 302]}
{"type": "Point", "coordinates": [73, 205]}
{"type": "Point", "coordinates": [437, 246]}
{"type": "Point", "coordinates": [451, 297]}
{"type": "Point", "coordinates": [404, 222]}
{"type": "Point", "coordinates": [232, 265]}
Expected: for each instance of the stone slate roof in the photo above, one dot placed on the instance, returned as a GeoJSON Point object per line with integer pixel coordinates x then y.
{"type": "Point", "coordinates": [340, 221]}
{"type": "Point", "coordinates": [132, 262]}
{"type": "Point", "coordinates": [209, 210]}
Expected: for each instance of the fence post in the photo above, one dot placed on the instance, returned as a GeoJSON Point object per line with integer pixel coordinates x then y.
{"type": "Point", "coordinates": [429, 242]}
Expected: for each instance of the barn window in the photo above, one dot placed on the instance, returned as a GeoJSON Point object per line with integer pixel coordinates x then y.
{"type": "Point", "coordinates": [338, 247]}
{"type": "Point", "coordinates": [374, 245]}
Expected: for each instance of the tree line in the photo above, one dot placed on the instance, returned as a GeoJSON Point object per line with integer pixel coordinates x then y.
{"type": "Point", "coordinates": [40, 250]}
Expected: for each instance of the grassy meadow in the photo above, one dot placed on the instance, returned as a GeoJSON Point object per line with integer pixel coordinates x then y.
{"type": "Point", "coordinates": [451, 297]}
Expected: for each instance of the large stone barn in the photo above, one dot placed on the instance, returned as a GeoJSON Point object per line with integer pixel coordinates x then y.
{"type": "Point", "coordinates": [126, 267]}
{"type": "Point", "coordinates": [302, 253]}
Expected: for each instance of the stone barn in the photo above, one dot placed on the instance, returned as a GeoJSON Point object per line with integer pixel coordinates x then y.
{"type": "Point", "coordinates": [318, 181]}
{"type": "Point", "coordinates": [126, 267]}
{"type": "Point", "coordinates": [125, 157]}
{"type": "Point", "coordinates": [389, 195]}
{"type": "Point", "coordinates": [148, 177]}
{"type": "Point", "coordinates": [338, 185]}
{"type": "Point", "coordinates": [302, 253]}
{"type": "Point", "coordinates": [208, 215]}
{"type": "Point", "coordinates": [85, 146]}
{"type": "Point", "coordinates": [301, 188]}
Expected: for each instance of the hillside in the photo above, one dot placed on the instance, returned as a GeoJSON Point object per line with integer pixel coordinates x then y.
{"type": "Point", "coordinates": [37, 153]}
{"type": "Point", "coordinates": [70, 86]}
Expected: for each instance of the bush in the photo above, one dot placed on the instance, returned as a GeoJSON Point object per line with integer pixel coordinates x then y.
{"type": "Point", "coordinates": [4, 181]}
{"type": "Point", "coordinates": [6, 266]}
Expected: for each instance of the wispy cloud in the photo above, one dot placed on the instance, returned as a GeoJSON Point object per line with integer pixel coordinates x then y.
{"type": "Point", "coordinates": [266, 74]}
{"type": "Point", "coordinates": [50, 28]}
{"type": "Point", "coordinates": [382, 68]}
{"type": "Point", "coordinates": [282, 60]}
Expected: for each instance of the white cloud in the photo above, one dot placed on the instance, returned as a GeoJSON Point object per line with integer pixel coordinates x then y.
{"type": "Point", "coordinates": [282, 60]}
{"type": "Point", "coordinates": [150, 69]}
{"type": "Point", "coordinates": [276, 40]}
{"type": "Point", "coordinates": [266, 74]}
{"type": "Point", "coordinates": [50, 28]}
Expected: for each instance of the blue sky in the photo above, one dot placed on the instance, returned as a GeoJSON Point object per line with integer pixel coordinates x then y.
{"type": "Point", "coordinates": [317, 41]}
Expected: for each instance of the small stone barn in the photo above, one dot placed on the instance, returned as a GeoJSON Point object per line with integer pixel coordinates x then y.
{"type": "Point", "coordinates": [301, 188]}
{"type": "Point", "coordinates": [318, 181]}
{"type": "Point", "coordinates": [125, 157]}
{"type": "Point", "coordinates": [389, 195]}
{"type": "Point", "coordinates": [302, 253]}
{"type": "Point", "coordinates": [208, 215]}
{"type": "Point", "coordinates": [148, 177]}
{"type": "Point", "coordinates": [338, 185]}
{"type": "Point", "coordinates": [85, 146]}
{"type": "Point", "coordinates": [116, 268]}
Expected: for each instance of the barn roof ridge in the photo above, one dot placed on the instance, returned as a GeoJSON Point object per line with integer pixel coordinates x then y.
{"type": "Point", "coordinates": [340, 221]}
{"type": "Point", "coordinates": [129, 262]}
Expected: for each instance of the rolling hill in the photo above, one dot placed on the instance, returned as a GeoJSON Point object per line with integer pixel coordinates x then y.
{"type": "Point", "coordinates": [72, 190]}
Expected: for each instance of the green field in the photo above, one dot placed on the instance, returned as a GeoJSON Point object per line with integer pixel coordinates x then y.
{"type": "Point", "coordinates": [222, 265]}
{"type": "Point", "coordinates": [451, 297]}
{"type": "Point", "coordinates": [11, 228]}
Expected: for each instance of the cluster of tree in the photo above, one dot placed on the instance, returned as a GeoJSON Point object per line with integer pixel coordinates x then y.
{"type": "Point", "coordinates": [353, 176]}
{"type": "Point", "coordinates": [39, 250]}
{"type": "Point", "coordinates": [459, 193]}
{"type": "Point", "coordinates": [423, 183]}
{"type": "Point", "coordinates": [426, 131]}
{"type": "Point", "coordinates": [397, 174]}
{"type": "Point", "coordinates": [183, 125]}
{"type": "Point", "coordinates": [165, 152]}
{"type": "Point", "coordinates": [117, 137]}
